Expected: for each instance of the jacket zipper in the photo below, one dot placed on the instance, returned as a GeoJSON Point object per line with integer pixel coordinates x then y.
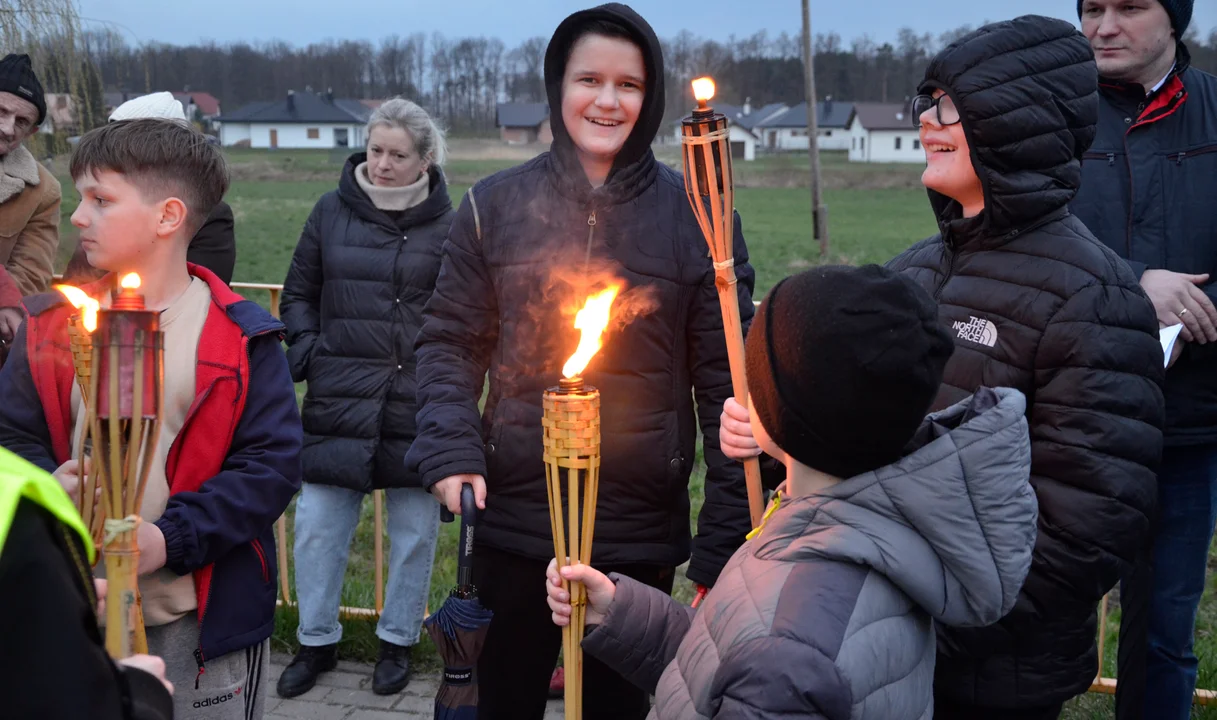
{"type": "Point", "coordinates": [198, 652]}
{"type": "Point", "coordinates": [1194, 153]}
{"type": "Point", "coordinates": [591, 233]}
{"type": "Point", "coordinates": [1131, 198]}
{"type": "Point", "coordinates": [257, 545]}
{"type": "Point", "coordinates": [947, 275]}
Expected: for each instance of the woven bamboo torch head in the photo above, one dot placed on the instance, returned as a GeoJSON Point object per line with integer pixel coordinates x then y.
{"type": "Point", "coordinates": [128, 357]}
{"type": "Point", "coordinates": [707, 147]}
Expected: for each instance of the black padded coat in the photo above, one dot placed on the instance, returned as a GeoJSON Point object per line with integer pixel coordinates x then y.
{"type": "Point", "coordinates": [353, 304]}
{"type": "Point", "coordinates": [1037, 304]}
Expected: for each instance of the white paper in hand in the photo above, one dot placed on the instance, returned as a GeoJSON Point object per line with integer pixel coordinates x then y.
{"type": "Point", "coordinates": [1169, 335]}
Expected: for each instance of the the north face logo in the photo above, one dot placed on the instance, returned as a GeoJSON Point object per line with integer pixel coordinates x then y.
{"type": "Point", "coordinates": [977, 330]}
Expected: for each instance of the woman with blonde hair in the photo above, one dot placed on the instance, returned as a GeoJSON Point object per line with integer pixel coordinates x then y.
{"type": "Point", "coordinates": [364, 268]}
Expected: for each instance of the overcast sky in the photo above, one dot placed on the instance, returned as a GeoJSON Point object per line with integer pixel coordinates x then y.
{"type": "Point", "coordinates": [300, 22]}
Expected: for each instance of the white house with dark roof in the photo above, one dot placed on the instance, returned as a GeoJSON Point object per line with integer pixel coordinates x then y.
{"type": "Point", "coordinates": [883, 132]}
{"type": "Point", "coordinates": [298, 121]}
{"type": "Point", "coordinates": [741, 126]}
{"type": "Point", "coordinates": [787, 129]}
{"type": "Point", "coordinates": [523, 123]}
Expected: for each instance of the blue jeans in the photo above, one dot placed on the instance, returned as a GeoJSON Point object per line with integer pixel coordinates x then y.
{"type": "Point", "coordinates": [325, 524]}
{"type": "Point", "coordinates": [1187, 509]}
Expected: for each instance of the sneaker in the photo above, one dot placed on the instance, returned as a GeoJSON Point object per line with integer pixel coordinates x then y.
{"type": "Point", "coordinates": [301, 674]}
{"type": "Point", "coordinates": [392, 671]}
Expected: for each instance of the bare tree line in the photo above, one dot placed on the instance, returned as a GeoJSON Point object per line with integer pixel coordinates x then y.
{"type": "Point", "coordinates": [462, 79]}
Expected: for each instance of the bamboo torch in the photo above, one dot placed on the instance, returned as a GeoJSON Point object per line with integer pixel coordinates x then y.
{"type": "Point", "coordinates": [81, 326]}
{"type": "Point", "coordinates": [708, 183]}
{"type": "Point", "coordinates": [571, 423]}
{"type": "Point", "coordinates": [126, 390]}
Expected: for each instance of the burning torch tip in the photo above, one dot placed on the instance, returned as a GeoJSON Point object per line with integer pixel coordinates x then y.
{"type": "Point", "coordinates": [572, 384]}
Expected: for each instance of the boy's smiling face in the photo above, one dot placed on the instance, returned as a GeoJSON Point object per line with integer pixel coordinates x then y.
{"type": "Point", "coordinates": [118, 224]}
{"type": "Point", "coordinates": [602, 93]}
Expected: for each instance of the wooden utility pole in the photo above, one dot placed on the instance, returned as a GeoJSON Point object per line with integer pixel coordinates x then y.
{"type": "Point", "coordinates": [819, 213]}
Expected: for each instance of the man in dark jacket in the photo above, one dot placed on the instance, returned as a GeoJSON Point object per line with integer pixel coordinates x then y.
{"type": "Point", "coordinates": [1148, 186]}
{"type": "Point", "coordinates": [1039, 305]}
{"type": "Point", "coordinates": [541, 238]}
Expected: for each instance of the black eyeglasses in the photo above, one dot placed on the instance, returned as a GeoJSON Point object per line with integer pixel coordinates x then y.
{"type": "Point", "coordinates": [948, 114]}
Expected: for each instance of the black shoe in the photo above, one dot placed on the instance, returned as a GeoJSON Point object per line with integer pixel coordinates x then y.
{"type": "Point", "coordinates": [392, 669]}
{"type": "Point", "coordinates": [301, 674]}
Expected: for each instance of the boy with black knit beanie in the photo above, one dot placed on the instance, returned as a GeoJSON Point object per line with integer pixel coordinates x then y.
{"type": "Point", "coordinates": [887, 520]}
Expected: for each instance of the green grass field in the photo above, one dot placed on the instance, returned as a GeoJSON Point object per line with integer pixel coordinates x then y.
{"type": "Point", "coordinates": [874, 211]}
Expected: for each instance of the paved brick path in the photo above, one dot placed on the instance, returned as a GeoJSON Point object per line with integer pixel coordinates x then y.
{"type": "Point", "coordinates": [346, 694]}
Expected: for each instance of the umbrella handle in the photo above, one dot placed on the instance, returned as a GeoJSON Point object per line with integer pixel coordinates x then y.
{"type": "Point", "coordinates": [464, 565]}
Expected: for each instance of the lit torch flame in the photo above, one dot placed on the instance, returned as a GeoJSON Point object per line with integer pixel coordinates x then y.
{"type": "Point", "coordinates": [591, 322]}
{"type": "Point", "coordinates": [703, 90]}
{"type": "Point", "coordinates": [80, 300]}
{"type": "Point", "coordinates": [130, 281]}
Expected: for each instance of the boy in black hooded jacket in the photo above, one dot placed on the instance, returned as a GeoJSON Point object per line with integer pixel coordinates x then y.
{"type": "Point", "coordinates": [527, 244]}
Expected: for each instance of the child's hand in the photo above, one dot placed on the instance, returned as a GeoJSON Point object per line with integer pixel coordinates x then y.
{"type": "Point", "coordinates": [99, 589]}
{"type": "Point", "coordinates": [68, 475]}
{"type": "Point", "coordinates": [150, 664]}
{"type": "Point", "coordinates": [10, 321]}
{"type": "Point", "coordinates": [735, 432]}
{"type": "Point", "coordinates": [151, 547]}
{"type": "Point", "coordinates": [600, 592]}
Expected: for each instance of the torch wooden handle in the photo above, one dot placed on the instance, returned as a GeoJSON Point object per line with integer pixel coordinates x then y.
{"type": "Point", "coordinates": [733, 330]}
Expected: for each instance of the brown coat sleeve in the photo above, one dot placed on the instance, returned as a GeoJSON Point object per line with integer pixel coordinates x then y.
{"type": "Point", "coordinates": [32, 262]}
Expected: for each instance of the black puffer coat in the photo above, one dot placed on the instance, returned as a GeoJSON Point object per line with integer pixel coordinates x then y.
{"type": "Point", "coordinates": [353, 303]}
{"type": "Point", "coordinates": [504, 301]}
{"type": "Point", "coordinates": [1039, 305]}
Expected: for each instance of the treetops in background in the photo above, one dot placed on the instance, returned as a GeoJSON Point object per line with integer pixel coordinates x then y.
{"type": "Point", "coordinates": [461, 80]}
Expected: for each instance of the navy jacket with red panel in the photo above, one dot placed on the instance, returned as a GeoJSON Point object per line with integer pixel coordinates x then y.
{"type": "Point", "coordinates": [232, 470]}
{"type": "Point", "coordinates": [1148, 185]}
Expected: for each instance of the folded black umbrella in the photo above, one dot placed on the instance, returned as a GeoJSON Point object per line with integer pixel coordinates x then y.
{"type": "Point", "coordinates": [459, 627]}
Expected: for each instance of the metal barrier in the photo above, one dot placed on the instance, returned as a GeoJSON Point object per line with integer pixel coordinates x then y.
{"type": "Point", "coordinates": [1101, 684]}
{"type": "Point", "coordinates": [285, 599]}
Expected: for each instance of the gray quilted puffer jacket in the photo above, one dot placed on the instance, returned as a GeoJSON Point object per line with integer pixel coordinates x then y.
{"type": "Point", "coordinates": [827, 613]}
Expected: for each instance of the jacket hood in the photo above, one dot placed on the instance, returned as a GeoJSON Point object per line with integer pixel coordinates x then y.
{"type": "Point", "coordinates": [635, 163]}
{"type": "Point", "coordinates": [1027, 91]}
{"type": "Point", "coordinates": [952, 524]}
{"type": "Point", "coordinates": [436, 204]}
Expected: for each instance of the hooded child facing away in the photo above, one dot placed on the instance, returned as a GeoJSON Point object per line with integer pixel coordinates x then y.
{"type": "Point", "coordinates": [527, 247]}
{"type": "Point", "coordinates": [888, 522]}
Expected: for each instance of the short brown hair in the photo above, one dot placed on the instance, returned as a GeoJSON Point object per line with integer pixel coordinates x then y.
{"type": "Point", "coordinates": [163, 158]}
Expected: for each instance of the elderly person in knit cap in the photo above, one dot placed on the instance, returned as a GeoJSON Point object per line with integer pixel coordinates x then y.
{"type": "Point", "coordinates": [29, 195]}
{"type": "Point", "coordinates": [886, 520]}
{"type": "Point", "coordinates": [1148, 184]}
{"type": "Point", "coordinates": [214, 246]}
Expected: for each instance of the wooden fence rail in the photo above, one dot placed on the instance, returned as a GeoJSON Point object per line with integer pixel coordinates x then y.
{"type": "Point", "coordinates": [1101, 684]}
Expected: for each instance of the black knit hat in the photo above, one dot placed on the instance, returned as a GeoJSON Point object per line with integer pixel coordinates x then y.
{"type": "Point", "coordinates": [17, 77]}
{"type": "Point", "coordinates": [1179, 10]}
{"type": "Point", "coordinates": [843, 364]}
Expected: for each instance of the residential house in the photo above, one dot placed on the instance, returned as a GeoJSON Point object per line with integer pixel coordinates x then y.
{"type": "Point", "coordinates": [522, 123]}
{"type": "Point", "coordinates": [742, 123]}
{"type": "Point", "coordinates": [205, 104]}
{"type": "Point", "coordinates": [61, 115]}
{"type": "Point", "coordinates": [883, 132]}
{"type": "Point", "coordinates": [298, 120]}
{"type": "Point", "coordinates": [787, 130]}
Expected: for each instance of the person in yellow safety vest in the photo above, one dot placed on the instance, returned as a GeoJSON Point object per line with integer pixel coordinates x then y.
{"type": "Point", "coordinates": [55, 662]}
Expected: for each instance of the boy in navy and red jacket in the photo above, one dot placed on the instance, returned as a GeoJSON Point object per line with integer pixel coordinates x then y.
{"type": "Point", "coordinates": [228, 453]}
